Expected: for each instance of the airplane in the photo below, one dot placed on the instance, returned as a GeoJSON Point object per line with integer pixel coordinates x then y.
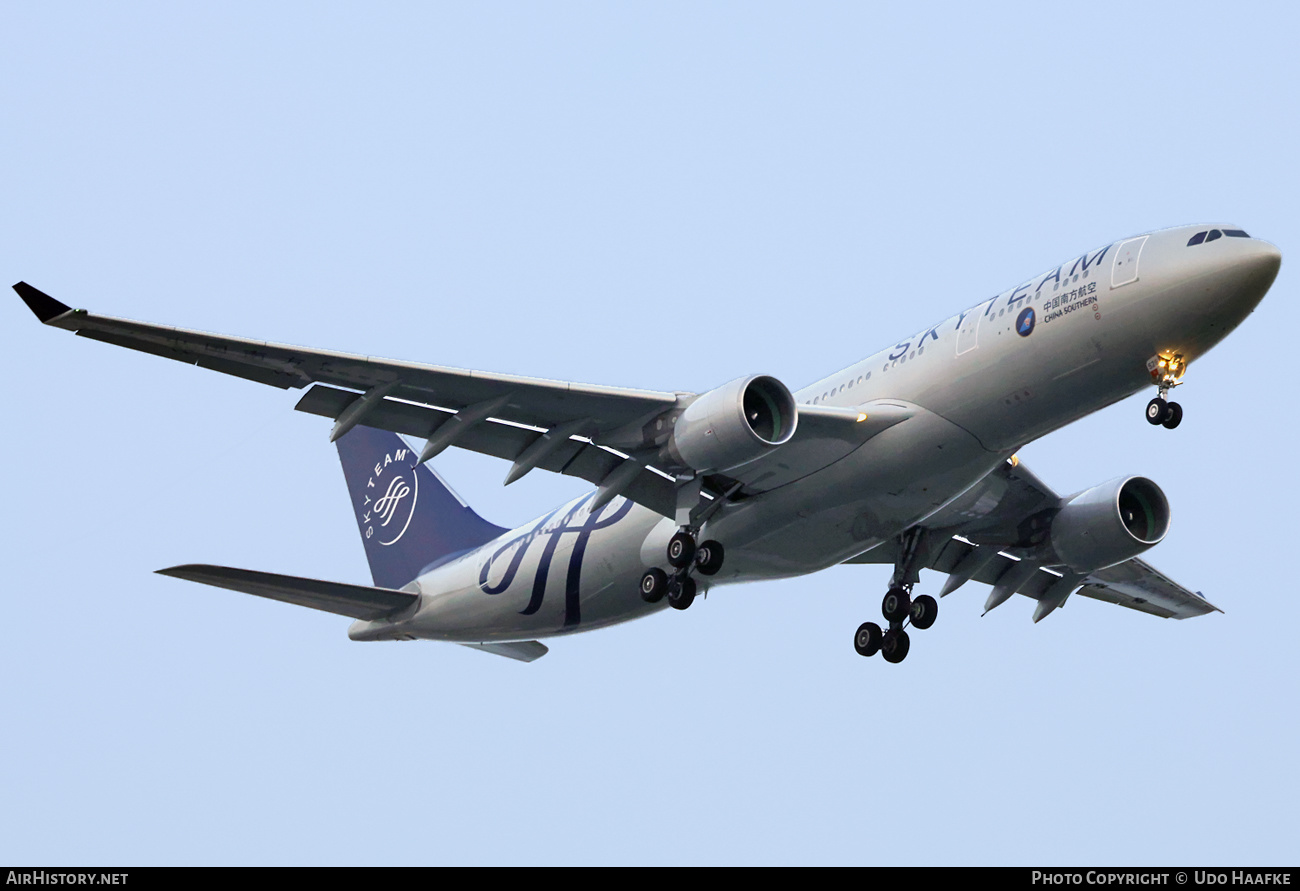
{"type": "Point", "coordinates": [907, 458]}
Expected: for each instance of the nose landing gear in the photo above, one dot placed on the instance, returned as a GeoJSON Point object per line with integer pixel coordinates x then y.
{"type": "Point", "coordinates": [1167, 370]}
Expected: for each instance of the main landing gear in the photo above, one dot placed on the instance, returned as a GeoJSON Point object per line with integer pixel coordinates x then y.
{"type": "Point", "coordinates": [1167, 370]}
{"type": "Point", "coordinates": [684, 555]}
{"type": "Point", "coordinates": [899, 608]}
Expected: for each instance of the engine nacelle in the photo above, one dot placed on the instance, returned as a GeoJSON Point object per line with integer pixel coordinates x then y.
{"type": "Point", "coordinates": [734, 424]}
{"type": "Point", "coordinates": [1110, 523]}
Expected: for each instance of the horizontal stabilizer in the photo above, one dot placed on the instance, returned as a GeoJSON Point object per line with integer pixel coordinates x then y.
{"type": "Point", "coordinates": [356, 601]}
{"type": "Point", "coordinates": [520, 650]}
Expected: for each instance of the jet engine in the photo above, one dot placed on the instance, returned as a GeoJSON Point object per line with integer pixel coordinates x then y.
{"type": "Point", "coordinates": [734, 424]}
{"type": "Point", "coordinates": [1110, 523]}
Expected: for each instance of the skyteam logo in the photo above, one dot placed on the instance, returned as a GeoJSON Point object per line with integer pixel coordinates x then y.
{"type": "Point", "coordinates": [1025, 322]}
{"type": "Point", "coordinates": [390, 497]}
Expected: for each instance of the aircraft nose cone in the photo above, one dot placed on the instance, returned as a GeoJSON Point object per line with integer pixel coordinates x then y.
{"type": "Point", "coordinates": [1252, 267]}
{"type": "Point", "coordinates": [1263, 260]}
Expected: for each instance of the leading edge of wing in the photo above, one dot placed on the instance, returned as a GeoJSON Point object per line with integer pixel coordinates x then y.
{"type": "Point", "coordinates": [286, 365]}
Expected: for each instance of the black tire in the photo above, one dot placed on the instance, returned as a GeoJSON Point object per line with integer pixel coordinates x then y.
{"type": "Point", "coordinates": [925, 609]}
{"type": "Point", "coordinates": [708, 557]}
{"type": "Point", "coordinates": [866, 640]}
{"type": "Point", "coordinates": [1175, 416]}
{"type": "Point", "coordinates": [895, 645]}
{"type": "Point", "coordinates": [681, 550]}
{"type": "Point", "coordinates": [654, 585]}
{"type": "Point", "coordinates": [1157, 411]}
{"type": "Point", "coordinates": [681, 593]}
{"type": "Point", "coordinates": [896, 605]}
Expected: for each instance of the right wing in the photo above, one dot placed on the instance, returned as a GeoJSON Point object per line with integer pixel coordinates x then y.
{"type": "Point", "coordinates": [581, 430]}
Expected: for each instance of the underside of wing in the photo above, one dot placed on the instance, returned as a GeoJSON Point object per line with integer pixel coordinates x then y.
{"type": "Point", "coordinates": [1134, 584]}
{"type": "Point", "coordinates": [1140, 586]}
{"type": "Point", "coordinates": [994, 534]}
{"type": "Point", "coordinates": [572, 455]}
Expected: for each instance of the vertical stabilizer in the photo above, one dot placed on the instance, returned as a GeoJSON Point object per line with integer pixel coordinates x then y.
{"type": "Point", "coordinates": [409, 518]}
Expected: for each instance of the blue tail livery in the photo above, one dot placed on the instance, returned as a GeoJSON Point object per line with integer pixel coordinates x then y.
{"type": "Point", "coordinates": [409, 518]}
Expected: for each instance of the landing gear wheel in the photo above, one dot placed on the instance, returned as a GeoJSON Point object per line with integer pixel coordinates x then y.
{"type": "Point", "coordinates": [1174, 416]}
{"type": "Point", "coordinates": [681, 593]}
{"type": "Point", "coordinates": [708, 557]}
{"type": "Point", "coordinates": [866, 640]}
{"type": "Point", "coordinates": [681, 550]}
{"type": "Point", "coordinates": [654, 585]}
{"type": "Point", "coordinates": [896, 605]}
{"type": "Point", "coordinates": [1157, 411]}
{"type": "Point", "coordinates": [925, 609]}
{"type": "Point", "coordinates": [895, 645]}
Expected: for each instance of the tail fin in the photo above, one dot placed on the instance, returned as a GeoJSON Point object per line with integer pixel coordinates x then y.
{"type": "Point", "coordinates": [409, 517]}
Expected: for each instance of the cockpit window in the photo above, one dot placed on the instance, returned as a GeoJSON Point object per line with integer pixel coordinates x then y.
{"type": "Point", "coordinates": [1200, 237]}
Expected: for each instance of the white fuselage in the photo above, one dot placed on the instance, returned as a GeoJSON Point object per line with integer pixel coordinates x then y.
{"type": "Point", "coordinates": [980, 388]}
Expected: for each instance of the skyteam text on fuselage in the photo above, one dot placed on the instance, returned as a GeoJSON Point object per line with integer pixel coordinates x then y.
{"type": "Point", "coordinates": [906, 458]}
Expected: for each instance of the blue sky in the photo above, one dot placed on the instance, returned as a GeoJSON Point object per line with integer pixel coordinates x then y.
{"type": "Point", "coordinates": [663, 196]}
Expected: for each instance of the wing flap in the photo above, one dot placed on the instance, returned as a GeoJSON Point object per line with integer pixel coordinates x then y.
{"type": "Point", "coordinates": [356, 601]}
{"type": "Point", "coordinates": [579, 457]}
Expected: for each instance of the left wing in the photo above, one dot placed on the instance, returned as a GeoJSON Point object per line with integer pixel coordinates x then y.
{"type": "Point", "coordinates": [609, 436]}
{"type": "Point", "coordinates": [975, 539]}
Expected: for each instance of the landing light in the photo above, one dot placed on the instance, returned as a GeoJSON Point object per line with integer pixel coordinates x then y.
{"type": "Point", "coordinates": [1014, 460]}
{"type": "Point", "coordinates": [862, 416]}
{"type": "Point", "coordinates": [1168, 366]}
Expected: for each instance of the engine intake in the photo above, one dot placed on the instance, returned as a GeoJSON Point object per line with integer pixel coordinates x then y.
{"type": "Point", "coordinates": [734, 424]}
{"type": "Point", "coordinates": [1110, 523]}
